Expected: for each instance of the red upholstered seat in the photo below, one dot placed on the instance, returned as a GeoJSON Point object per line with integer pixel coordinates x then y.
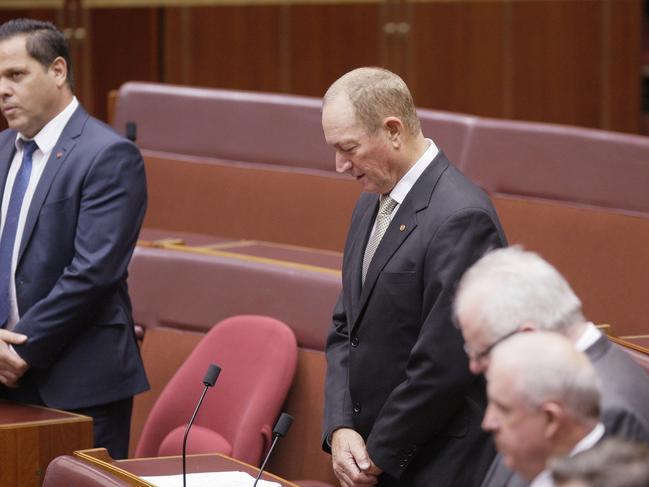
{"type": "Point", "coordinates": [257, 356]}
{"type": "Point", "coordinates": [66, 471]}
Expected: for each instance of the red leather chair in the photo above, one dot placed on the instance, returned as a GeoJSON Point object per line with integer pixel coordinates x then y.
{"type": "Point", "coordinates": [66, 471]}
{"type": "Point", "coordinates": [257, 356]}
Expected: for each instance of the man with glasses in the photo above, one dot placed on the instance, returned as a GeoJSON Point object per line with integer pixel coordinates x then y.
{"type": "Point", "coordinates": [511, 290]}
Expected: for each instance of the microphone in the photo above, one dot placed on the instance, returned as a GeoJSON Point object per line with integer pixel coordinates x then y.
{"type": "Point", "coordinates": [211, 375]}
{"type": "Point", "coordinates": [279, 431]}
{"type": "Point", "coordinates": [131, 131]}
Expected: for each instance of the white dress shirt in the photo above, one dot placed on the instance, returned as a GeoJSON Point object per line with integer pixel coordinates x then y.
{"type": "Point", "coordinates": [544, 479]}
{"type": "Point", "coordinates": [405, 184]}
{"type": "Point", "coordinates": [45, 139]}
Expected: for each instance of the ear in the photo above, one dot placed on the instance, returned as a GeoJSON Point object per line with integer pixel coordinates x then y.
{"type": "Point", "coordinates": [59, 69]}
{"type": "Point", "coordinates": [394, 129]}
{"type": "Point", "coordinates": [554, 417]}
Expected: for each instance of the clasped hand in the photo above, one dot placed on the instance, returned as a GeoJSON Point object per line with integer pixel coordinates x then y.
{"type": "Point", "coordinates": [351, 462]}
{"type": "Point", "coordinates": [12, 366]}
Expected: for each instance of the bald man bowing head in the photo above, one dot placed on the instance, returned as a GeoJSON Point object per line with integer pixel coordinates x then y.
{"type": "Point", "coordinates": [543, 403]}
{"type": "Point", "coordinates": [401, 407]}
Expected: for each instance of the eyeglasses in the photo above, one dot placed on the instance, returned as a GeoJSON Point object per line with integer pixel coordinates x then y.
{"type": "Point", "coordinates": [487, 350]}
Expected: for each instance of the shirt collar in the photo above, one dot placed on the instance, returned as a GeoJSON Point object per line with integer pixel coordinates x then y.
{"type": "Point", "coordinates": [405, 184]}
{"type": "Point", "coordinates": [47, 137]}
{"type": "Point", "coordinates": [589, 440]}
{"type": "Point", "coordinates": [544, 478]}
{"type": "Point", "coordinates": [590, 335]}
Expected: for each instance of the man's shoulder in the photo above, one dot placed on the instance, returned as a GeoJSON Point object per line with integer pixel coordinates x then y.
{"type": "Point", "coordinates": [7, 136]}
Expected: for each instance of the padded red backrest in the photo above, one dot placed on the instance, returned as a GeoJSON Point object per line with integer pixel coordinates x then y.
{"type": "Point", "coordinates": [192, 292]}
{"type": "Point", "coordinates": [562, 163]}
{"type": "Point", "coordinates": [67, 471]}
{"type": "Point", "coordinates": [449, 131]}
{"type": "Point", "coordinates": [225, 124]}
{"type": "Point", "coordinates": [258, 356]}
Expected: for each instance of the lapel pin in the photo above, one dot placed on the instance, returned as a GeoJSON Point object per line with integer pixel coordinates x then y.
{"type": "Point", "coordinates": [59, 154]}
{"type": "Point", "coordinates": [402, 228]}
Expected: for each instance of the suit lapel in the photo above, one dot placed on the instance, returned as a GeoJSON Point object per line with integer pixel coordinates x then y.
{"type": "Point", "coordinates": [418, 199]}
{"type": "Point", "coordinates": [358, 250]}
{"type": "Point", "coordinates": [7, 151]}
{"type": "Point", "coordinates": [58, 156]}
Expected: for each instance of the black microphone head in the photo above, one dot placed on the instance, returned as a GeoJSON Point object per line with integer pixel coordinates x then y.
{"type": "Point", "coordinates": [211, 375]}
{"type": "Point", "coordinates": [283, 424]}
{"type": "Point", "coordinates": [131, 131]}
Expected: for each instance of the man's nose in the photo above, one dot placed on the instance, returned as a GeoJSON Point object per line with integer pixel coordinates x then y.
{"type": "Point", "coordinates": [489, 422]}
{"type": "Point", "coordinates": [342, 164]}
{"type": "Point", "coordinates": [476, 366]}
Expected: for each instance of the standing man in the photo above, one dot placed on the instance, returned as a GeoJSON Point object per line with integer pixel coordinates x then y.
{"type": "Point", "coordinates": [401, 407]}
{"type": "Point", "coordinates": [73, 198]}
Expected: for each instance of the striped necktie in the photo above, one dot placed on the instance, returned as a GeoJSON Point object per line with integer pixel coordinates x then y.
{"type": "Point", "coordinates": [386, 206]}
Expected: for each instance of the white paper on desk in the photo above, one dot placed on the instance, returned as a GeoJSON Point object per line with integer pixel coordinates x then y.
{"type": "Point", "coordinates": [210, 479]}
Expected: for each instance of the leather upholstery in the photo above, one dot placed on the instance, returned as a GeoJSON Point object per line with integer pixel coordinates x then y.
{"type": "Point", "coordinates": [257, 356]}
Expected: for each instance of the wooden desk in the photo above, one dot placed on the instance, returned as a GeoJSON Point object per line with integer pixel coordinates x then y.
{"type": "Point", "coordinates": [31, 436]}
{"type": "Point", "coordinates": [132, 469]}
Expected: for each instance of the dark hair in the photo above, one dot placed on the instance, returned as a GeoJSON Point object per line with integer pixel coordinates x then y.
{"type": "Point", "coordinates": [44, 42]}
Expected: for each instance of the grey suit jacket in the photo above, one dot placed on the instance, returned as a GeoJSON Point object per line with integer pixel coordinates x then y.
{"type": "Point", "coordinates": [625, 391]}
{"type": "Point", "coordinates": [500, 476]}
{"type": "Point", "coordinates": [397, 373]}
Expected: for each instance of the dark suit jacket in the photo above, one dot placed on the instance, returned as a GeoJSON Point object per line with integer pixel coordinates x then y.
{"type": "Point", "coordinates": [625, 396]}
{"type": "Point", "coordinates": [397, 373]}
{"type": "Point", "coordinates": [79, 235]}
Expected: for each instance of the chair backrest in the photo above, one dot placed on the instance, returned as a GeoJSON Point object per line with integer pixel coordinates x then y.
{"type": "Point", "coordinates": [66, 470]}
{"type": "Point", "coordinates": [561, 163]}
{"type": "Point", "coordinates": [258, 357]}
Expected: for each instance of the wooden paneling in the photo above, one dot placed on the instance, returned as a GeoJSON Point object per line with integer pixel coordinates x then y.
{"type": "Point", "coordinates": [227, 47]}
{"type": "Point", "coordinates": [122, 45]}
{"type": "Point", "coordinates": [326, 41]}
{"type": "Point", "coordinates": [622, 66]}
{"type": "Point", "coordinates": [31, 437]}
{"type": "Point", "coordinates": [556, 55]}
{"type": "Point", "coordinates": [457, 53]}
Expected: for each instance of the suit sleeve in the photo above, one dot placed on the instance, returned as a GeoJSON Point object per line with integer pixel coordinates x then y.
{"type": "Point", "coordinates": [110, 213]}
{"type": "Point", "coordinates": [337, 407]}
{"type": "Point", "coordinates": [437, 379]}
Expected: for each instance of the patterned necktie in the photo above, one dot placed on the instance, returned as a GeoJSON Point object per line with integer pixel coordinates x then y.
{"type": "Point", "coordinates": [8, 239]}
{"type": "Point", "coordinates": [386, 206]}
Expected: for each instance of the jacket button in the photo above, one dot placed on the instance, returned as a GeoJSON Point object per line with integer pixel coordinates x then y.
{"type": "Point", "coordinates": [355, 342]}
{"type": "Point", "coordinates": [357, 408]}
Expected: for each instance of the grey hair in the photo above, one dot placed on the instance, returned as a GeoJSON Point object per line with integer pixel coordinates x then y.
{"type": "Point", "coordinates": [515, 287]}
{"type": "Point", "coordinates": [548, 367]}
{"type": "Point", "coordinates": [375, 94]}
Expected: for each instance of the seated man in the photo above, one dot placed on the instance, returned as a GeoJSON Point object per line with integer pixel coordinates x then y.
{"type": "Point", "coordinates": [543, 403]}
{"type": "Point", "coordinates": [614, 462]}
{"type": "Point", "coordinates": [511, 290]}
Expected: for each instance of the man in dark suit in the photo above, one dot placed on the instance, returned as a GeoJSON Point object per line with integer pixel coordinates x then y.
{"type": "Point", "coordinates": [73, 199]}
{"type": "Point", "coordinates": [401, 407]}
{"type": "Point", "coordinates": [511, 290]}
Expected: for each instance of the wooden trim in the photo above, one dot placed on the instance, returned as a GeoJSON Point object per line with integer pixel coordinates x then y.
{"type": "Point", "coordinates": [626, 344]}
{"type": "Point", "coordinates": [20, 4]}
{"type": "Point", "coordinates": [96, 457]}
{"type": "Point", "coordinates": [244, 257]}
{"type": "Point", "coordinates": [215, 3]}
